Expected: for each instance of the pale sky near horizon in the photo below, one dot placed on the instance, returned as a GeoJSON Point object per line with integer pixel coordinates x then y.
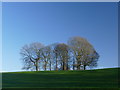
{"type": "Point", "coordinates": [24, 23]}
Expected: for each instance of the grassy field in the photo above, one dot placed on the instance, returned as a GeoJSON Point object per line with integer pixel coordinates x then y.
{"type": "Point", "coordinates": [101, 78]}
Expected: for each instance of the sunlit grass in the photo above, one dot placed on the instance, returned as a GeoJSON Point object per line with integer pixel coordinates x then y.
{"type": "Point", "coordinates": [101, 78]}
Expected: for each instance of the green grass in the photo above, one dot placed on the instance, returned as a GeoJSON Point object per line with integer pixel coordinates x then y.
{"type": "Point", "coordinates": [101, 78]}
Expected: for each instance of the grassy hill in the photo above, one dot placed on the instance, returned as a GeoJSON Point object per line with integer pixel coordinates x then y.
{"type": "Point", "coordinates": [101, 78]}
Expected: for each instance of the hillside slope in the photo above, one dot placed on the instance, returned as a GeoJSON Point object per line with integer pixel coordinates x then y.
{"type": "Point", "coordinates": [101, 78]}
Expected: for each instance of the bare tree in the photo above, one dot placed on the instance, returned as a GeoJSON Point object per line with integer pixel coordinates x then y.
{"type": "Point", "coordinates": [46, 54]}
{"type": "Point", "coordinates": [93, 59]}
{"type": "Point", "coordinates": [31, 55]}
{"type": "Point", "coordinates": [56, 55]}
{"type": "Point", "coordinates": [75, 44]}
{"type": "Point", "coordinates": [62, 53]}
{"type": "Point", "coordinates": [78, 54]}
{"type": "Point", "coordinates": [82, 50]}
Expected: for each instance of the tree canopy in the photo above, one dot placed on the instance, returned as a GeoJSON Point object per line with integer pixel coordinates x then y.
{"type": "Point", "coordinates": [77, 54]}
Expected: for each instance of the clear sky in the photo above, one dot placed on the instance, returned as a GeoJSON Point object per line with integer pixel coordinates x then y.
{"type": "Point", "coordinates": [24, 23]}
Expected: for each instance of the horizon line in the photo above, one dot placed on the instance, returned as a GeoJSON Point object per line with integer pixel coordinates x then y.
{"type": "Point", "coordinates": [63, 70]}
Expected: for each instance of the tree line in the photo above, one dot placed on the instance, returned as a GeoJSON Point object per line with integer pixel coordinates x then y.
{"type": "Point", "coordinates": [77, 54]}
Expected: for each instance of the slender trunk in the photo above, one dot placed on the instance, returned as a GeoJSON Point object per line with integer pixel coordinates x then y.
{"type": "Point", "coordinates": [84, 67]}
{"type": "Point", "coordinates": [45, 65]}
{"type": "Point", "coordinates": [56, 65]}
{"type": "Point", "coordinates": [61, 66]}
{"type": "Point", "coordinates": [36, 65]}
{"type": "Point", "coordinates": [73, 65]}
{"type": "Point", "coordinates": [65, 66]}
{"type": "Point", "coordinates": [50, 65]}
{"type": "Point", "coordinates": [36, 68]}
{"type": "Point", "coordinates": [78, 67]}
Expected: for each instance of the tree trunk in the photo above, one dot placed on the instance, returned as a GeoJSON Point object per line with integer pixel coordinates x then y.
{"type": "Point", "coordinates": [36, 65]}
{"type": "Point", "coordinates": [45, 65]}
{"type": "Point", "coordinates": [36, 68]}
{"type": "Point", "coordinates": [78, 67]}
{"type": "Point", "coordinates": [84, 67]}
{"type": "Point", "coordinates": [73, 64]}
{"type": "Point", "coordinates": [50, 65]}
{"type": "Point", "coordinates": [56, 65]}
{"type": "Point", "coordinates": [64, 65]}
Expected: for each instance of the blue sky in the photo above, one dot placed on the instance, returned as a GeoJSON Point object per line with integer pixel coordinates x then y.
{"type": "Point", "coordinates": [0, 37]}
{"type": "Point", "coordinates": [24, 23]}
